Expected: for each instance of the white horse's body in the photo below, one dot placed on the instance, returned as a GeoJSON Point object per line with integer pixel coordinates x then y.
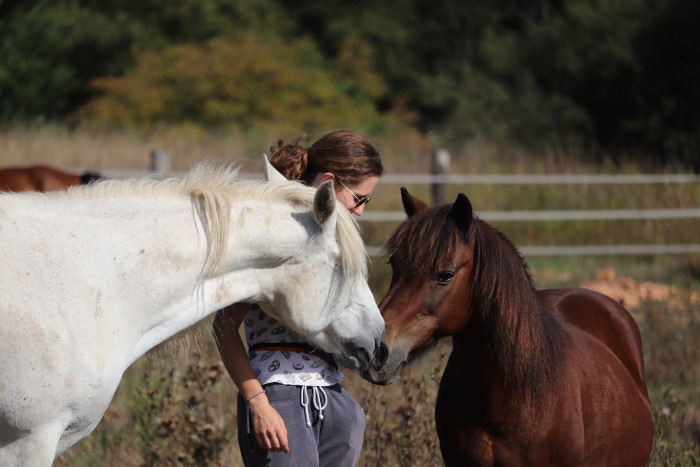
{"type": "Point", "coordinates": [95, 277]}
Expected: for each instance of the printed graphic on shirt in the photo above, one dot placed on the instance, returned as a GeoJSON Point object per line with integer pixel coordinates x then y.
{"type": "Point", "coordinates": [284, 366]}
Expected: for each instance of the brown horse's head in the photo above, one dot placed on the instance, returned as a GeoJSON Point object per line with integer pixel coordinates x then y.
{"type": "Point", "coordinates": [431, 256]}
{"type": "Point", "coordinates": [453, 274]}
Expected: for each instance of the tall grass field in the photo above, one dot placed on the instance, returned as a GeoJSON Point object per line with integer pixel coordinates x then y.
{"type": "Point", "coordinates": [176, 405]}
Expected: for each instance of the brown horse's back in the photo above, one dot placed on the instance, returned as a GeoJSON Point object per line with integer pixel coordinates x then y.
{"type": "Point", "coordinates": [37, 178]}
{"type": "Point", "coordinates": [605, 320]}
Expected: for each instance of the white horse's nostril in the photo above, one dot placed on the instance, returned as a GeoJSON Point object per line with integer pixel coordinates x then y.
{"type": "Point", "coordinates": [365, 356]}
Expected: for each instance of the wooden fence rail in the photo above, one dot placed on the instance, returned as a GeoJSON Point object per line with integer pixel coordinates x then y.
{"type": "Point", "coordinates": [538, 179]}
{"type": "Point", "coordinates": [159, 166]}
{"type": "Point", "coordinates": [553, 215]}
{"type": "Point", "coordinates": [593, 250]}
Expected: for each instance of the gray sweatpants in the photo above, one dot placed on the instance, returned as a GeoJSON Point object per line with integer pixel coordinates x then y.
{"type": "Point", "coordinates": [335, 440]}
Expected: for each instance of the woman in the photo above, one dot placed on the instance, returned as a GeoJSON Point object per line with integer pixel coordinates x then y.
{"type": "Point", "coordinates": [291, 409]}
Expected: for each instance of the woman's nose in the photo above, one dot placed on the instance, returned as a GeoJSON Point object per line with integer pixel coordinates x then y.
{"type": "Point", "coordinates": [359, 210]}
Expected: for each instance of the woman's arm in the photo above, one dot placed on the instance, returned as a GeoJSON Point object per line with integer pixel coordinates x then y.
{"type": "Point", "coordinates": [268, 425]}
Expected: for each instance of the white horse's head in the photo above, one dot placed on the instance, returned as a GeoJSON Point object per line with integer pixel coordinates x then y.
{"type": "Point", "coordinates": [320, 289]}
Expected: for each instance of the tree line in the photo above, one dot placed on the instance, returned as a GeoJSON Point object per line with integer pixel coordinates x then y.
{"type": "Point", "coordinates": [615, 75]}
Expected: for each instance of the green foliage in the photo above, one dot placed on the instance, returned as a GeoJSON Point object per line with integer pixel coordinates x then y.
{"type": "Point", "coordinates": [48, 52]}
{"type": "Point", "coordinates": [667, 116]}
{"type": "Point", "coordinates": [586, 54]}
{"type": "Point", "coordinates": [240, 81]}
{"type": "Point", "coordinates": [618, 76]}
{"type": "Point", "coordinates": [624, 69]}
{"type": "Point", "coordinates": [51, 51]}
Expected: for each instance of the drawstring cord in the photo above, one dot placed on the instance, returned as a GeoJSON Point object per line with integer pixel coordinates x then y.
{"type": "Point", "coordinates": [316, 397]}
{"type": "Point", "coordinates": [317, 400]}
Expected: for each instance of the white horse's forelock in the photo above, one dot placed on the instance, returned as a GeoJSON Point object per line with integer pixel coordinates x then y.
{"type": "Point", "coordinates": [215, 187]}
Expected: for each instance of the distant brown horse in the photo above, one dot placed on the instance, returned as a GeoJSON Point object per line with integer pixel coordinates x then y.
{"type": "Point", "coordinates": [42, 178]}
{"type": "Point", "coordinates": [551, 377]}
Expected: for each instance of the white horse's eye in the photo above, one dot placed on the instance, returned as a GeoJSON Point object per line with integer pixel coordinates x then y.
{"type": "Point", "coordinates": [444, 277]}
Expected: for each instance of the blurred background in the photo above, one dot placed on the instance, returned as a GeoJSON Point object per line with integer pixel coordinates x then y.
{"type": "Point", "coordinates": [572, 125]}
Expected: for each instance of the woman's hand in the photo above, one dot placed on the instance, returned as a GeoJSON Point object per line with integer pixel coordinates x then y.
{"type": "Point", "coordinates": [268, 426]}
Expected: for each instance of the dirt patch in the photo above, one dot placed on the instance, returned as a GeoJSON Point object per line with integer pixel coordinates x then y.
{"type": "Point", "coordinates": [632, 294]}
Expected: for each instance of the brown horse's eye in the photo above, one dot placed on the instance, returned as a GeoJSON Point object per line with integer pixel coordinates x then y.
{"type": "Point", "coordinates": [444, 277]}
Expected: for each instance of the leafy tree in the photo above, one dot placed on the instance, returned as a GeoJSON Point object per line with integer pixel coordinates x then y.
{"type": "Point", "coordinates": [50, 51]}
{"type": "Point", "coordinates": [631, 67]}
{"type": "Point", "coordinates": [47, 54]}
{"type": "Point", "coordinates": [586, 54]}
{"type": "Point", "coordinates": [433, 53]}
{"type": "Point", "coordinates": [239, 80]}
{"type": "Point", "coordinates": [616, 74]}
{"type": "Point", "coordinates": [667, 98]}
{"type": "Point", "coordinates": [619, 74]}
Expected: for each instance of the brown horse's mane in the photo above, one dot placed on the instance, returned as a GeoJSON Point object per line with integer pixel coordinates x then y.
{"type": "Point", "coordinates": [525, 339]}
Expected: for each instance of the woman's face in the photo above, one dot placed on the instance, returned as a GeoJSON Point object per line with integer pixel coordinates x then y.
{"type": "Point", "coordinates": [350, 195]}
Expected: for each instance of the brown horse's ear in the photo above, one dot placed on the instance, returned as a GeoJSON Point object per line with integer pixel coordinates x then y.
{"type": "Point", "coordinates": [411, 204]}
{"type": "Point", "coordinates": [462, 213]}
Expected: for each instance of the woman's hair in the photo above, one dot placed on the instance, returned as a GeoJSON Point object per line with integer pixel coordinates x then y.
{"type": "Point", "coordinates": [347, 154]}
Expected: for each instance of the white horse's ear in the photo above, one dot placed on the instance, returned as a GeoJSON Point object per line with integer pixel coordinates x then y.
{"type": "Point", "coordinates": [271, 173]}
{"type": "Point", "coordinates": [324, 202]}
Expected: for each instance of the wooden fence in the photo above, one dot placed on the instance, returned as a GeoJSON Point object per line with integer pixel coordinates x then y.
{"type": "Point", "coordinates": [440, 177]}
{"type": "Point", "coordinates": [559, 215]}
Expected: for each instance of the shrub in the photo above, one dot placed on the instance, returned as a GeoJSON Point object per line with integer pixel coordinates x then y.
{"type": "Point", "coordinates": [241, 81]}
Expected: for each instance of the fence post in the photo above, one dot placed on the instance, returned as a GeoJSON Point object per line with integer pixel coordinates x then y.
{"type": "Point", "coordinates": [160, 162]}
{"type": "Point", "coordinates": [439, 167]}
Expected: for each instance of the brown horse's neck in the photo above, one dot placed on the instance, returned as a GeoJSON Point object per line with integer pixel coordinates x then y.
{"type": "Point", "coordinates": [522, 345]}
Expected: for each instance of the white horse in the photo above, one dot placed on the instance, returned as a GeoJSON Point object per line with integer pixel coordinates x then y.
{"type": "Point", "coordinates": [94, 277]}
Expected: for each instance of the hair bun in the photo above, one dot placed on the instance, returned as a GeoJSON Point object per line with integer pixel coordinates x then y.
{"type": "Point", "coordinates": [291, 160]}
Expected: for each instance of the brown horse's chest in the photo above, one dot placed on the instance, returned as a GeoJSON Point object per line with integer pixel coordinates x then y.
{"type": "Point", "coordinates": [480, 423]}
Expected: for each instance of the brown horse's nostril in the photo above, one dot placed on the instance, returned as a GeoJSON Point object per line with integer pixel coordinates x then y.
{"type": "Point", "coordinates": [381, 356]}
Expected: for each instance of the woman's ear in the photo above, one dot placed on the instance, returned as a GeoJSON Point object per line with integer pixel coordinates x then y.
{"type": "Point", "coordinates": [323, 177]}
{"type": "Point", "coordinates": [327, 176]}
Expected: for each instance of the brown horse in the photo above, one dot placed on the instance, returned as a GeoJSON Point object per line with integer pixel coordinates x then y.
{"type": "Point", "coordinates": [42, 178]}
{"type": "Point", "coordinates": [550, 377]}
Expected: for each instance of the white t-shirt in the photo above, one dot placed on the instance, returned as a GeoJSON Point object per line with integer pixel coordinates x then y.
{"type": "Point", "coordinates": [284, 366]}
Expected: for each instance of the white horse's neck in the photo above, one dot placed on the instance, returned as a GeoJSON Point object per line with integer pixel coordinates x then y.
{"type": "Point", "coordinates": [155, 253]}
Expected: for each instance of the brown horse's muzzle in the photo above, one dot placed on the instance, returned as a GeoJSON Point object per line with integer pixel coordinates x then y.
{"type": "Point", "coordinates": [385, 366]}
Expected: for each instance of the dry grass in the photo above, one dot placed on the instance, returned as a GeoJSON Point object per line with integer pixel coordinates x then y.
{"type": "Point", "coordinates": [179, 408]}
{"type": "Point", "coordinates": [126, 150]}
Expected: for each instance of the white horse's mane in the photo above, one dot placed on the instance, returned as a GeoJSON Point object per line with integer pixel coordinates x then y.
{"type": "Point", "coordinates": [214, 187]}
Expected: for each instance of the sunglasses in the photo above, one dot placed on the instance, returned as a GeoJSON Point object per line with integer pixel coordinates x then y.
{"type": "Point", "coordinates": [360, 201]}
